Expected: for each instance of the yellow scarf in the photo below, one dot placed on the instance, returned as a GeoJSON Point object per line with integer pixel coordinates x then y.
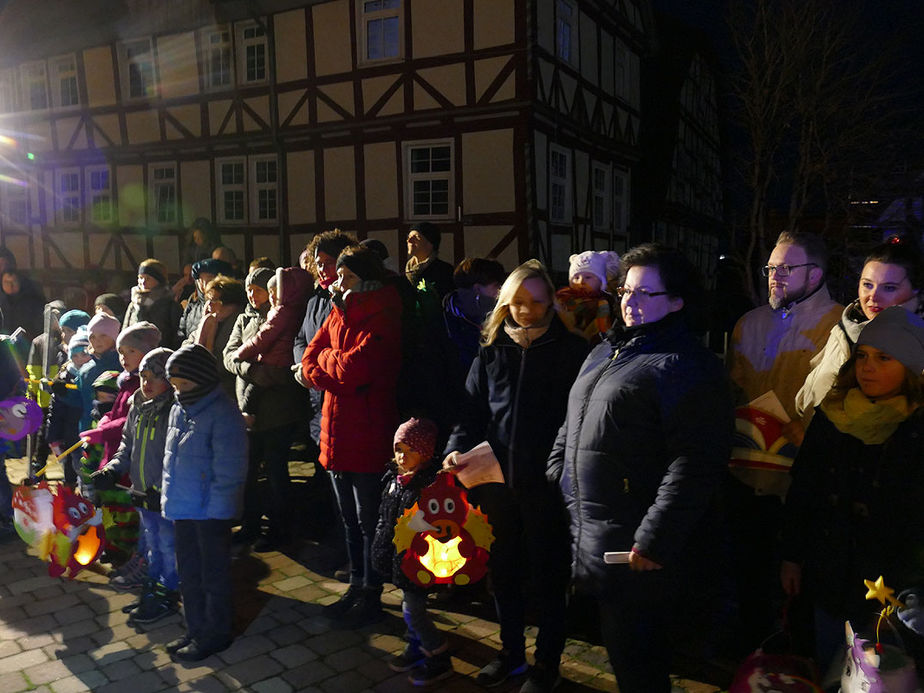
{"type": "Point", "coordinates": [873, 422]}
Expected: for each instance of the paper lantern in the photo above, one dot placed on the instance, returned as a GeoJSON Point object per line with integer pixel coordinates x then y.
{"type": "Point", "coordinates": [444, 539]}
{"type": "Point", "coordinates": [33, 513]}
{"type": "Point", "coordinates": [80, 534]}
{"type": "Point", "coordinates": [19, 417]}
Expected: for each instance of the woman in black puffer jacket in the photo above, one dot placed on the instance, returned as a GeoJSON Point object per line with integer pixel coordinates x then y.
{"type": "Point", "coordinates": [640, 458]}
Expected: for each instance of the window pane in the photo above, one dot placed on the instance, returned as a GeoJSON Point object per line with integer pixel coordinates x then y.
{"type": "Point", "coordinates": [390, 37]}
{"type": "Point", "coordinates": [266, 204]}
{"type": "Point", "coordinates": [234, 205]}
{"type": "Point", "coordinates": [374, 39]}
{"type": "Point", "coordinates": [256, 62]}
{"type": "Point", "coordinates": [420, 160]}
{"type": "Point", "coordinates": [441, 159]}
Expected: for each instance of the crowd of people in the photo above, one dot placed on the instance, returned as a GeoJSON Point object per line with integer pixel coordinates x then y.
{"type": "Point", "coordinates": [611, 422]}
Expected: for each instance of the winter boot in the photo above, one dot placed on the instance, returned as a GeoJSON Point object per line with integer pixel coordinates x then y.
{"type": "Point", "coordinates": [344, 604]}
{"type": "Point", "coordinates": [366, 610]}
{"type": "Point", "coordinates": [157, 603]}
{"type": "Point", "coordinates": [412, 657]}
{"type": "Point", "coordinates": [436, 667]}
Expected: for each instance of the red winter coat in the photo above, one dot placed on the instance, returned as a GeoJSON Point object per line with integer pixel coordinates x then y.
{"type": "Point", "coordinates": [272, 345]}
{"type": "Point", "coordinates": [355, 358]}
{"type": "Point", "coordinates": [109, 429]}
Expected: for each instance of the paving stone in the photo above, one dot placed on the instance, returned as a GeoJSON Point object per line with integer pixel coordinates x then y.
{"type": "Point", "coordinates": [121, 670]}
{"type": "Point", "coordinates": [51, 606]}
{"type": "Point", "coordinates": [8, 647]}
{"type": "Point", "coordinates": [287, 634]}
{"type": "Point", "coordinates": [247, 647]}
{"type": "Point", "coordinates": [204, 684]}
{"type": "Point", "coordinates": [350, 658]}
{"type": "Point", "coordinates": [333, 641]}
{"type": "Point", "coordinates": [292, 656]}
{"type": "Point", "coordinates": [261, 624]}
{"type": "Point", "coordinates": [77, 664]}
{"type": "Point", "coordinates": [73, 614]}
{"type": "Point", "coordinates": [48, 592]}
{"type": "Point", "coordinates": [112, 652]}
{"type": "Point", "coordinates": [14, 682]}
{"type": "Point", "coordinates": [249, 671]}
{"type": "Point", "coordinates": [20, 661]}
{"type": "Point", "coordinates": [174, 673]}
{"type": "Point", "coordinates": [48, 672]}
{"type": "Point", "coordinates": [273, 685]}
{"type": "Point", "coordinates": [29, 584]}
{"type": "Point", "coordinates": [346, 681]}
{"type": "Point", "coordinates": [308, 674]}
{"type": "Point", "coordinates": [87, 681]}
{"type": "Point", "coordinates": [291, 583]}
{"type": "Point", "coordinates": [75, 630]}
{"type": "Point", "coordinates": [148, 682]}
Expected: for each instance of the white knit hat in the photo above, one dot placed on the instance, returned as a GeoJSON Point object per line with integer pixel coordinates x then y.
{"type": "Point", "coordinates": [601, 264]}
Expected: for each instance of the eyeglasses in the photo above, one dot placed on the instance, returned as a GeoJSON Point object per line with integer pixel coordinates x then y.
{"type": "Point", "coordinates": [783, 270]}
{"type": "Point", "coordinates": [641, 294]}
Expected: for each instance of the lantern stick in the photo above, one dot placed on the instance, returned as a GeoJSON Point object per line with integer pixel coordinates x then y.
{"type": "Point", "coordinates": [60, 457]}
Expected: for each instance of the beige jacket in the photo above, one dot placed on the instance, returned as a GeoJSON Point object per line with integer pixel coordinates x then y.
{"type": "Point", "coordinates": [773, 350]}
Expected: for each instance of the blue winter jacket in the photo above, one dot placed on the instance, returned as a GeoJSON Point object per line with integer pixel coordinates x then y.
{"type": "Point", "coordinates": [89, 372]}
{"type": "Point", "coordinates": [205, 461]}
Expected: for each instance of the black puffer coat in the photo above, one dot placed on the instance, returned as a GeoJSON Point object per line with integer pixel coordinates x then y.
{"type": "Point", "coordinates": [856, 512]}
{"type": "Point", "coordinates": [395, 500]}
{"type": "Point", "coordinates": [644, 448]}
{"type": "Point", "coordinates": [516, 398]}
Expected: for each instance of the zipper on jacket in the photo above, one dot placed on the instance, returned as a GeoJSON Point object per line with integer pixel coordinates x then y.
{"type": "Point", "coordinates": [515, 408]}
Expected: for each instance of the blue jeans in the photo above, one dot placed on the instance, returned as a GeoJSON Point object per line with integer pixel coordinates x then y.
{"type": "Point", "coordinates": [419, 624]}
{"type": "Point", "coordinates": [203, 559]}
{"type": "Point", "coordinates": [159, 544]}
{"type": "Point", "coordinates": [358, 495]}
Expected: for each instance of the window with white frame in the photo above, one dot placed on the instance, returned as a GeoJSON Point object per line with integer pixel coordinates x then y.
{"type": "Point", "coordinates": [163, 206]}
{"type": "Point", "coordinates": [621, 201]}
{"type": "Point", "coordinates": [68, 196]}
{"type": "Point", "coordinates": [14, 203]}
{"type": "Point", "coordinates": [232, 190]}
{"type": "Point", "coordinates": [559, 185]}
{"type": "Point", "coordinates": [64, 82]}
{"type": "Point", "coordinates": [34, 86]}
{"type": "Point", "coordinates": [216, 49]}
{"type": "Point", "coordinates": [566, 18]}
{"type": "Point", "coordinates": [381, 29]}
{"type": "Point", "coordinates": [137, 69]}
{"type": "Point", "coordinates": [8, 100]}
{"type": "Point", "coordinates": [429, 180]}
{"type": "Point", "coordinates": [264, 189]}
{"type": "Point", "coordinates": [252, 54]}
{"type": "Point", "coordinates": [601, 191]}
{"type": "Point", "coordinates": [99, 189]}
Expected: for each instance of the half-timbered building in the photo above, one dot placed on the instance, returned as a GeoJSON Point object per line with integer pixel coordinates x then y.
{"type": "Point", "coordinates": [513, 124]}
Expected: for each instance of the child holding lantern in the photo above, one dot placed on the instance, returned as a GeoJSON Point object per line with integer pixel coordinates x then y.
{"type": "Point", "coordinates": [426, 655]}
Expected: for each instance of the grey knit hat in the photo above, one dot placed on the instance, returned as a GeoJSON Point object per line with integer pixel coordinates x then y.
{"type": "Point", "coordinates": [899, 333]}
{"type": "Point", "coordinates": [193, 362]}
{"type": "Point", "coordinates": [259, 276]}
{"type": "Point", "coordinates": [142, 336]}
{"type": "Point", "coordinates": [156, 362]}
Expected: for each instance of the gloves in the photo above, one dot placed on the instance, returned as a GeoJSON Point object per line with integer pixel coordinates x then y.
{"type": "Point", "coordinates": [92, 435]}
{"type": "Point", "coordinates": [152, 499]}
{"type": "Point", "coordinates": [105, 479]}
{"type": "Point", "coordinates": [58, 388]}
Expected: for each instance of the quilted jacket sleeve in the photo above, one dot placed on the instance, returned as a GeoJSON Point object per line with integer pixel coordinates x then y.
{"type": "Point", "coordinates": [229, 463]}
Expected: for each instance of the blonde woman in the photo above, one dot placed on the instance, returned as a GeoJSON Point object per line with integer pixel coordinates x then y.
{"type": "Point", "coordinates": [516, 396]}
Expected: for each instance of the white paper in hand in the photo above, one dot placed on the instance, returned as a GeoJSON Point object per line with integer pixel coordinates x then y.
{"type": "Point", "coordinates": [478, 466]}
{"type": "Point", "coordinates": [616, 556]}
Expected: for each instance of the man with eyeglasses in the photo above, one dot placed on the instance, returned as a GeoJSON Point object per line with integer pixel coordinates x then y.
{"type": "Point", "coordinates": [771, 350]}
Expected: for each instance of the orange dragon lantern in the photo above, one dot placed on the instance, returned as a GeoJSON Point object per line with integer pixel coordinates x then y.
{"type": "Point", "coordinates": [444, 539]}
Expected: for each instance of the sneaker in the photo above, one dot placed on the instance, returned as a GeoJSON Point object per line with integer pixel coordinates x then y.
{"type": "Point", "coordinates": [344, 604]}
{"type": "Point", "coordinates": [411, 657]}
{"type": "Point", "coordinates": [501, 668]}
{"type": "Point", "coordinates": [196, 651]}
{"type": "Point", "coordinates": [434, 668]}
{"type": "Point", "coordinates": [156, 604]}
{"type": "Point", "coordinates": [541, 679]}
{"type": "Point", "coordinates": [146, 586]}
{"type": "Point", "coordinates": [131, 574]}
{"type": "Point", "coordinates": [177, 644]}
{"type": "Point", "coordinates": [366, 610]}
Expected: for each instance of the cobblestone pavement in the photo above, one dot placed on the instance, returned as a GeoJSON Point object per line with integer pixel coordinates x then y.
{"type": "Point", "coordinates": [66, 636]}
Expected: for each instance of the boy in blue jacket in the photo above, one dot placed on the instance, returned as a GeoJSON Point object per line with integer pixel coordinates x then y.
{"type": "Point", "coordinates": [205, 465]}
{"type": "Point", "coordinates": [141, 455]}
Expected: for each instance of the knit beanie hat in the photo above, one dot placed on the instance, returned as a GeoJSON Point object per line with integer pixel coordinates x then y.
{"type": "Point", "coordinates": [211, 266]}
{"type": "Point", "coordinates": [107, 381]}
{"type": "Point", "coordinates": [419, 435]}
{"type": "Point", "coordinates": [365, 263]}
{"type": "Point", "coordinates": [900, 334]}
{"type": "Point", "coordinates": [154, 268]}
{"type": "Point", "coordinates": [105, 325]}
{"type": "Point", "coordinates": [376, 245]}
{"type": "Point", "coordinates": [273, 283]}
{"type": "Point", "coordinates": [79, 342]}
{"type": "Point", "coordinates": [113, 302]}
{"type": "Point", "coordinates": [142, 336]}
{"type": "Point", "coordinates": [429, 231]}
{"type": "Point", "coordinates": [259, 277]}
{"type": "Point", "coordinates": [73, 319]}
{"type": "Point", "coordinates": [156, 362]}
{"type": "Point", "coordinates": [193, 362]}
{"type": "Point", "coordinates": [599, 264]}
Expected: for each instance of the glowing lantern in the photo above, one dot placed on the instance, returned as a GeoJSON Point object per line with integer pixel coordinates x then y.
{"type": "Point", "coordinates": [444, 539]}
{"type": "Point", "coordinates": [32, 513]}
{"type": "Point", "coordinates": [80, 533]}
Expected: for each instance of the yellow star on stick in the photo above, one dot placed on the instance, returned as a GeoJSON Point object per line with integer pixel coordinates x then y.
{"type": "Point", "coordinates": [879, 590]}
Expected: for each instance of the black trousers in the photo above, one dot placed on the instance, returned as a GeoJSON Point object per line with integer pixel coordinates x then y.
{"type": "Point", "coordinates": [203, 561]}
{"type": "Point", "coordinates": [531, 540]}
